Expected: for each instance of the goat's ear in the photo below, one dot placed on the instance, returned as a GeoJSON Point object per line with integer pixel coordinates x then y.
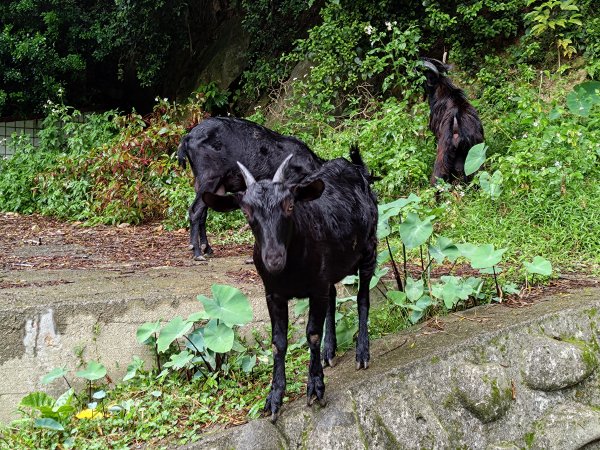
{"type": "Point", "coordinates": [308, 192]}
{"type": "Point", "coordinates": [221, 203]}
{"type": "Point", "coordinates": [432, 78]}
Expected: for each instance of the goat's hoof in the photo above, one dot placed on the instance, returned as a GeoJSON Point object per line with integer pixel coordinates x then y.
{"type": "Point", "coordinates": [200, 258]}
{"type": "Point", "coordinates": [190, 246]}
{"type": "Point", "coordinates": [249, 261]}
{"type": "Point", "coordinates": [329, 362]}
{"type": "Point", "coordinates": [321, 401]}
{"type": "Point", "coordinates": [274, 417]}
{"type": "Point", "coordinates": [362, 365]}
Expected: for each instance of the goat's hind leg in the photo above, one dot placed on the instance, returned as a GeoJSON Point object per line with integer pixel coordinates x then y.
{"type": "Point", "coordinates": [315, 387]}
{"type": "Point", "coordinates": [330, 345]}
{"type": "Point", "coordinates": [194, 213]}
{"type": "Point", "coordinates": [365, 272]}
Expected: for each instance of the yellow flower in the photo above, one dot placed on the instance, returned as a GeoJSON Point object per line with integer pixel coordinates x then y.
{"type": "Point", "coordinates": [89, 414]}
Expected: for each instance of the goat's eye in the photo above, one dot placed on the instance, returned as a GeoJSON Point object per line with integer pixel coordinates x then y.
{"type": "Point", "coordinates": [287, 206]}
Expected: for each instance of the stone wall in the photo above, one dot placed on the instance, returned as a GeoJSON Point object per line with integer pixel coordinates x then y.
{"type": "Point", "coordinates": [494, 378]}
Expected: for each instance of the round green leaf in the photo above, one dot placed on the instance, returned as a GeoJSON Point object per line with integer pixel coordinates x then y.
{"type": "Point", "coordinates": [93, 371]}
{"type": "Point", "coordinates": [444, 248]}
{"type": "Point", "coordinates": [218, 337]}
{"type": "Point", "coordinates": [176, 328]}
{"type": "Point", "coordinates": [414, 289]}
{"type": "Point", "coordinates": [248, 362]}
{"type": "Point", "coordinates": [485, 256]}
{"type": "Point", "coordinates": [228, 305]}
{"type": "Point", "coordinates": [59, 372]}
{"type": "Point", "coordinates": [539, 265]}
{"type": "Point", "coordinates": [451, 290]}
{"type": "Point", "coordinates": [583, 96]}
{"type": "Point", "coordinates": [492, 185]}
{"type": "Point", "coordinates": [397, 297]}
{"type": "Point", "coordinates": [414, 231]}
{"type": "Point", "coordinates": [198, 316]}
{"type": "Point", "coordinates": [423, 303]}
{"type": "Point", "coordinates": [146, 331]}
{"type": "Point", "coordinates": [196, 340]}
{"type": "Point", "coordinates": [180, 360]}
{"type": "Point", "coordinates": [133, 368]}
{"type": "Point", "coordinates": [49, 424]}
{"type": "Point", "coordinates": [475, 158]}
{"type": "Point", "coordinates": [99, 395]}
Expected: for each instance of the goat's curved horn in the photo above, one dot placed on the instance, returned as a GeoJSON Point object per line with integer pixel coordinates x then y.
{"type": "Point", "coordinates": [431, 67]}
{"type": "Point", "coordinates": [248, 178]}
{"type": "Point", "coordinates": [278, 177]}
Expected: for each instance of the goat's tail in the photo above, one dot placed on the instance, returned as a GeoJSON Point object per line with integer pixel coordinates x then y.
{"type": "Point", "coordinates": [182, 153]}
{"type": "Point", "coordinates": [360, 164]}
{"type": "Point", "coordinates": [355, 156]}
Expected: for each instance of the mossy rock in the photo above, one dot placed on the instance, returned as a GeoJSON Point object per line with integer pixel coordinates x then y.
{"type": "Point", "coordinates": [550, 364]}
{"type": "Point", "coordinates": [483, 389]}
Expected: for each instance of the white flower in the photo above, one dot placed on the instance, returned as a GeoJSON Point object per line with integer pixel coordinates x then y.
{"type": "Point", "coordinates": [524, 135]}
{"type": "Point", "coordinates": [536, 124]}
{"type": "Point", "coordinates": [369, 29]}
{"type": "Point", "coordinates": [388, 26]}
{"type": "Point", "coordinates": [294, 79]}
{"type": "Point", "coordinates": [557, 164]}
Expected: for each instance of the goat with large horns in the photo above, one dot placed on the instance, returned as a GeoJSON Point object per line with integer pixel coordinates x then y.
{"type": "Point", "coordinates": [308, 236]}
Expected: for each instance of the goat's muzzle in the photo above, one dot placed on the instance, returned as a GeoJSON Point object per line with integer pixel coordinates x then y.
{"type": "Point", "coordinates": [274, 260]}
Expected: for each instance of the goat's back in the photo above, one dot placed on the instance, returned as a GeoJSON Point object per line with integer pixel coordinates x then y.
{"type": "Point", "coordinates": [216, 145]}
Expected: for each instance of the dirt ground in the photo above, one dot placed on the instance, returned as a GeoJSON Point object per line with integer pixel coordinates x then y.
{"type": "Point", "coordinates": [34, 242]}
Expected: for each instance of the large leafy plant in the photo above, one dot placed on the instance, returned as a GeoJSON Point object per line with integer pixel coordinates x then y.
{"type": "Point", "coordinates": [205, 342]}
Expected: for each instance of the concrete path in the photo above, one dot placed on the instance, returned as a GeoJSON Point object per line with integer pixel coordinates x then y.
{"type": "Point", "coordinates": [53, 318]}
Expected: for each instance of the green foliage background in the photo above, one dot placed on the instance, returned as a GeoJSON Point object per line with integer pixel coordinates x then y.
{"type": "Point", "coordinates": [517, 61]}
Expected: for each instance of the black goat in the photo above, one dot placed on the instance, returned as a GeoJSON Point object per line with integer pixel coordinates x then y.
{"type": "Point", "coordinates": [308, 236]}
{"type": "Point", "coordinates": [215, 145]}
{"type": "Point", "coordinates": [453, 121]}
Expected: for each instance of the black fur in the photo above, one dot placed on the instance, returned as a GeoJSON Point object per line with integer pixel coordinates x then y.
{"type": "Point", "coordinates": [308, 236]}
{"type": "Point", "coordinates": [214, 146]}
{"type": "Point", "coordinates": [454, 122]}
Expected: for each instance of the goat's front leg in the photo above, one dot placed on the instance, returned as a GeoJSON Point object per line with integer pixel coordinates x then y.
{"type": "Point", "coordinates": [278, 312]}
{"type": "Point", "coordinates": [314, 332]}
{"type": "Point", "coordinates": [330, 345]}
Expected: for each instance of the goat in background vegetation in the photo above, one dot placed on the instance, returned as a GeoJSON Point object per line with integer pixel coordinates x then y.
{"type": "Point", "coordinates": [308, 236]}
{"type": "Point", "coordinates": [215, 145]}
{"type": "Point", "coordinates": [453, 120]}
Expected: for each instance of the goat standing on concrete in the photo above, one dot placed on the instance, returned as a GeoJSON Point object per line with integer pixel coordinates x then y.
{"type": "Point", "coordinates": [453, 121]}
{"type": "Point", "coordinates": [308, 236]}
{"type": "Point", "coordinates": [214, 146]}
